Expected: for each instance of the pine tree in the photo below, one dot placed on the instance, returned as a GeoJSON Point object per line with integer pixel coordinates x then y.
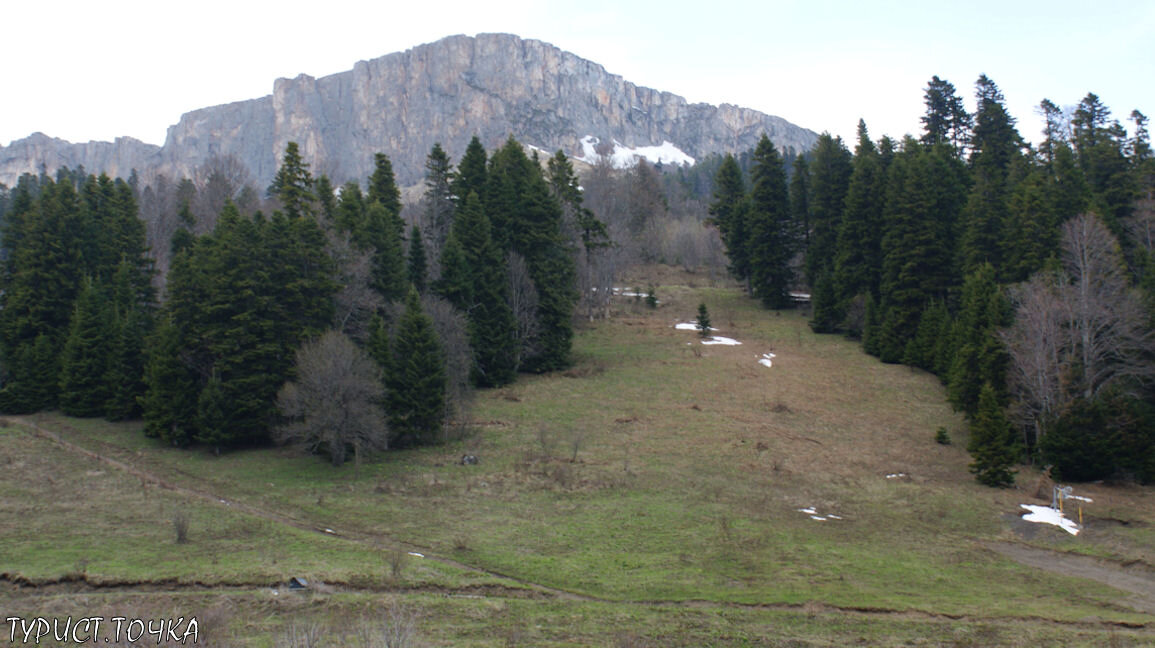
{"type": "Point", "coordinates": [858, 256]}
{"type": "Point", "coordinates": [830, 174]}
{"type": "Point", "coordinates": [728, 214]}
{"type": "Point", "coordinates": [946, 120]}
{"type": "Point", "coordinates": [471, 174]}
{"type": "Point", "coordinates": [389, 276]}
{"type": "Point", "coordinates": [980, 358]}
{"type": "Point", "coordinates": [827, 315]}
{"type": "Point", "coordinates": [416, 382]}
{"type": "Point", "coordinates": [773, 239]}
{"type": "Point", "coordinates": [993, 445]}
{"type": "Point", "coordinates": [383, 189]}
{"type": "Point", "coordinates": [293, 185]}
{"type": "Point", "coordinates": [418, 270]}
{"type": "Point", "coordinates": [350, 212]}
{"type": "Point", "coordinates": [170, 400]}
{"type": "Point", "coordinates": [491, 322]}
{"type": "Point", "coordinates": [456, 282]}
{"type": "Point", "coordinates": [85, 359]}
{"type": "Point", "coordinates": [703, 321]}
{"type": "Point", "coordinates": [438, 200]}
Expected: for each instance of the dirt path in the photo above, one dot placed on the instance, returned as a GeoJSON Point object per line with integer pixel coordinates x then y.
{"type": "Point", "coordinates": [1139, 581]}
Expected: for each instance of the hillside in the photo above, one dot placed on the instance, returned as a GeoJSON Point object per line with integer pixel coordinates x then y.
{"type": "Point", "coordinates": [491, 85]}
{"type": "Point", "coordinates": [662, 492]}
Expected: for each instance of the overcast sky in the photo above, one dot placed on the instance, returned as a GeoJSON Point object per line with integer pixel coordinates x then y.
{"type": "Point", "coordinates": [87, 70]}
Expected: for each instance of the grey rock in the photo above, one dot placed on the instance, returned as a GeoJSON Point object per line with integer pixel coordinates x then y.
{"type": "Point", "coordinates": [491, 85]}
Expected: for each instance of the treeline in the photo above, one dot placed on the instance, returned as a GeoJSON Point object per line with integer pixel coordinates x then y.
{"type": "Point", "coordinates": [261, 314]}
{"type": "Point", "coordinates": [1024, 277]}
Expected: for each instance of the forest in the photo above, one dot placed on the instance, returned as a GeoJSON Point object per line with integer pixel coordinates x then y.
{"type": "Point", "coordinates": [1023, 277]}
{"type": "Point", "coordinates": [344, 321]}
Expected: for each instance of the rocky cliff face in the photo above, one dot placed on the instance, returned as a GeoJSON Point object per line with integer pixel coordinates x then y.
{"type": "Point", "coordinates": [491, 85]}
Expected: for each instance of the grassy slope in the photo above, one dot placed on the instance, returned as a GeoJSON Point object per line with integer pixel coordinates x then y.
{"type": "Point", "coordinates": [691, 463]}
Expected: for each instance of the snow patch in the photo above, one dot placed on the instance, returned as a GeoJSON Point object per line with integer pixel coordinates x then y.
{"type": "Point", "coordinates": [896, 475]}
{"type": "Point", "coordinates": [721, 340]}
{"type": "Point", "coordinates": [624, 157]}
{"type": "Point", "coordinates": [689, 326]}
{"type": "Point", "coordinates": [814, 515]}
{"type": "Point", "coordinates": [764, 360]}
{"type": "Point", "coordinates": [418, 555]}
{"type": "Point", "coordinates": [1048, 515]}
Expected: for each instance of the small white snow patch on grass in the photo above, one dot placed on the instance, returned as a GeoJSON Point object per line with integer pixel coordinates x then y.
{"type": "Point", "coordinates": [834, 517]}
{"type": "Point", "coordinates": [896, 475]}
{"type": "Point", "coordinates": [814, 515]}
{"type": "Point", "coordinates": [414, 553]}
{"type": "Point", "coordinates": [689, 326]}
{"type": "Point", "coordinates": [818, 518]}
{"type": "Point", "coordinates": [809, 510]}
{"type": "Point", "coordinates": [1048, 515]}
{"type": "Point", "coordinates": [721, 340]}
{"type": "Point", "coordinates": [765, 358]}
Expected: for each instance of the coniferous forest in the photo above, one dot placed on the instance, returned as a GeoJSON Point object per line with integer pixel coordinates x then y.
{"type": "Point", "coordinates": [1023, 277]}
{"type": "Point", "coordinates": [323, 322]}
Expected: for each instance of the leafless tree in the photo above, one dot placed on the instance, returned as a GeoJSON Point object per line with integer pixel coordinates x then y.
{"type": "Point", "coordinates": [1036, 342]}
{"type": "Point", "coordinates": [1106, 324]}
{"type": "Point", "coordinates": [355, 301]}
{"type": "Point", "coordinates": [335, 402]}
{"type": "Point", "coordinates": [523, 301]}
{"type": "Point", "coordinates": [452, 331]}
{"type": "Point", "coordinates": [1077, 334]}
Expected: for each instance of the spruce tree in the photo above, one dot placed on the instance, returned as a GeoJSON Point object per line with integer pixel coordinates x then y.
{"type": "Point", "coordinates": [389, 275]}
{"type": "Point", "coordinates": [418, 268]}
{"type": "Point", "coordinates": [293, 185]}
{"type": "Point", "coordinates": [993, 445]}
{"type": "Point", "coordinates": [416, 379]}
{"type": "Point", "coordinates": [85, 359]}
{"type": "Point", "coordinates": [471, 174]}
{"type": "Point", "coordinates": [383, 189]}
{"type": "Point", "coordinates": [980, 358]}
{"type": "Point", "coordinates": [858, 256]}
{"type": "Point", "coordinates": [703, 321]}
{"type": "Point", "coordinates": [491, 322]}
{"type": "Point", "coordinates": [829, 173]}
{"type": "Point", "coordinates": [773, 239]}
{"type": "Point", "coordinates": [728, 214]}
{"type": "Point", "coordinates": [456, 281]}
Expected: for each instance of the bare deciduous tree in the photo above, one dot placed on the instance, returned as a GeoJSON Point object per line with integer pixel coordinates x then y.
{"type": "Point", "coordinates": [1077, 334]}
{"type": "Point", "coordinates": [523, 301]}
{"type": "Point", "coordinates": [334, 404]}
{"type": "Point", "coordinates": [355, 301]}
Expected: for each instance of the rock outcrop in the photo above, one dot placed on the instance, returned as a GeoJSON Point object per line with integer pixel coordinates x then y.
{"type": "Point", "coordinates": [491, 85]}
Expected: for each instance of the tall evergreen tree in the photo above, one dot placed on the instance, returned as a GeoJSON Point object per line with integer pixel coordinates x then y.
{"type": "Point", "coordinates": [416, 379]}
{"type": "Point", "coordinates": [471, 173]}
{"type": "Point", "coordinates": [418, 267]}
{"type": "Point", "coordinates": [491, 322]}
{"type": "Point", "coordinates": [858, 256]}
{"type": "Point", "coordinates": [438, 200]}
{"type": "Point", "coordinates": [946, 120]}
{"type": "Point", "coordinates": [383, 189]}
{"type": "Point", "coordinates": [773, 237]}
{"type": "Point", "coordinates": [85, 359]}
{"type": "Point", "coordinates": [293, 184]}
{"type": "Point", "coordinates": [993, 444]}
{"type": "Point", "coordinates": [830, 174]}
{"type": "Point", "coordinates": [979, 355]}
{"type": "Point", "coordinates": [728, 214]}
{"type": "Point", "coordinates": [389, 276]}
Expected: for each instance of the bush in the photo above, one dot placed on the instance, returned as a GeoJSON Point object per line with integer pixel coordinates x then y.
{"type": "Point", "coordinates": [941, 436]}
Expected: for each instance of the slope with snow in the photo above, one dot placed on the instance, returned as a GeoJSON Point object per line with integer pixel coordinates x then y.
{"type": "Point", "coordinates": [624, 157]}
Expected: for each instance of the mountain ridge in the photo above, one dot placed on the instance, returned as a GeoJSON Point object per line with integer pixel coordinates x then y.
{"type": "Point", "coordinates": [489, 85]}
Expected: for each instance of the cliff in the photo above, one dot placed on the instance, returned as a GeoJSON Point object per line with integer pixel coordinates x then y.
{"type": "Point", "coordinates": [491, 85]}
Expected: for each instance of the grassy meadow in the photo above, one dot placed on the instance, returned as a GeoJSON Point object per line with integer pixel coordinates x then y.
{"type": "Point", "coordinates": [651, 495]}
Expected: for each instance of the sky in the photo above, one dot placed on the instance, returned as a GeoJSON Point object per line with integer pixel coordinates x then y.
{"type": "Point", "coordinates": [88, 70]}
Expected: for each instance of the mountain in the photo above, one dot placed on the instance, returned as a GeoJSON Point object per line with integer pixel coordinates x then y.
{"type": "Point", "coordinates": [490, 85]}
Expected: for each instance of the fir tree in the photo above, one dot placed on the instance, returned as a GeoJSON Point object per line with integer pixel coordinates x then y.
{"type": "Point", "coordinates": [170, 401]}
{"type": "Point", "coordinates": [993, 445]}
{"type": "Point", "coordinates": [491, 322]}
{"type": "Point", "coordinates": [703, 321]}
{"type": "Point", "coordinates": [858, 256]}
{"type": "Point", "coordinates": [728, 214]}
{"type": "Point", "coordinates": [383, 189]}
{"type": "Point", "coordinates": [979, 357]}
{"type": "Point", "coordinates": [772, 233]}
{"type": "Point", "coordinates": [830, 174]}
{"type": "Point", "coordinates": [471, 174]}
{"type": "Point", "coordinates": [455, 283]}
{"type": "Point", "coordinates": [416, 379]}
{"type": "Point", "coordinates": [389, 275]}
{"type": "Point", "coordinates": [418, 269]}
{"type": "Point", "coordinates": [293, 185]}
{"type": "Point", "coordinates": [85, 359]}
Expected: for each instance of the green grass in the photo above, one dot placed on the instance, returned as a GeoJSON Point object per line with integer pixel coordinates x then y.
{"type": "Point", "coordinates": [655, 473]}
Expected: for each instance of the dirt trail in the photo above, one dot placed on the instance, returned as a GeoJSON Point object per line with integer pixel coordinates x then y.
{"type": "Point", "coordinates": [1138, 580]}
